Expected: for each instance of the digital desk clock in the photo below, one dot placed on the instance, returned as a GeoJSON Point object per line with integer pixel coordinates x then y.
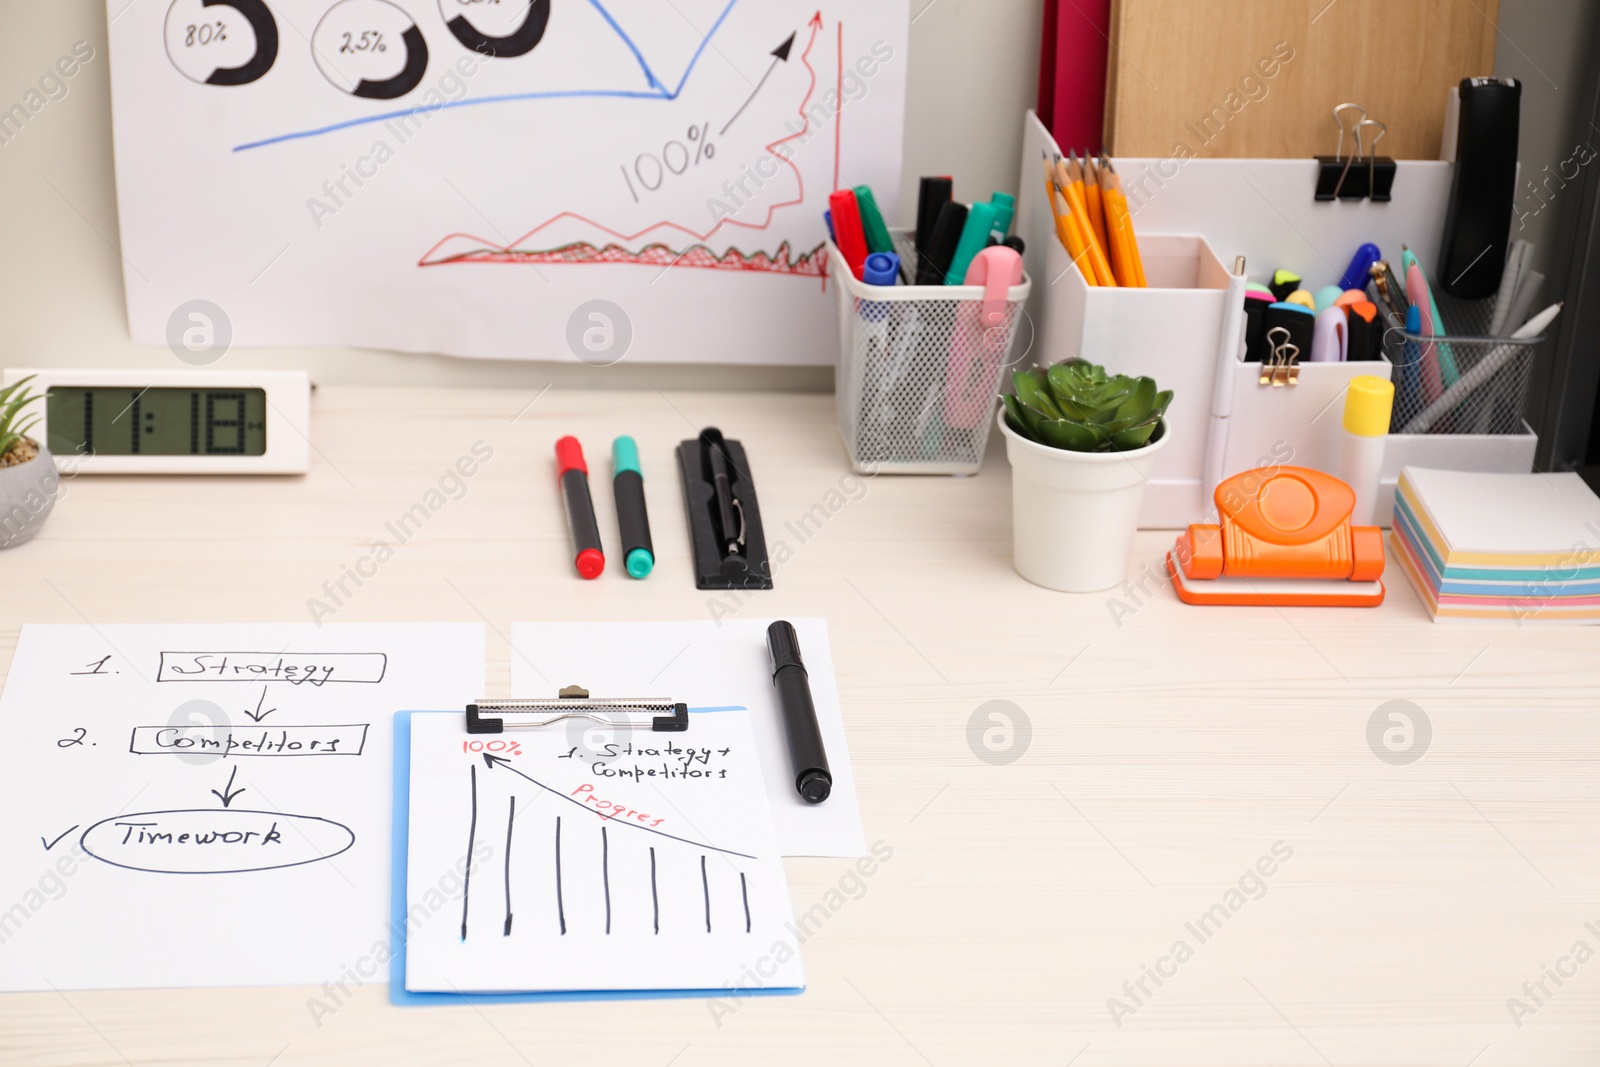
{"type": "Point", "coordinates": [173, 421]}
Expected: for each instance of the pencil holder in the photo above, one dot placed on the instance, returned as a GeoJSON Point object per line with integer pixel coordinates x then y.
{"type": "Point", "coordinates": [1464, 383]}
{"type": "Point", "coordinates": [1168, 331]}
{"type": "Point", "coordinates": [1474, 422]}
{"type": "Point", "coordinates": [919, 369]}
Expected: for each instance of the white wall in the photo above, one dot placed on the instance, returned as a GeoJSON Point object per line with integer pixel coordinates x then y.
{"type": "Point", "coordinates": [973, 70]}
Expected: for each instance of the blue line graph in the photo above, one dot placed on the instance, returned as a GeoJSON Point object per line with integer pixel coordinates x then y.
{"type": "Point", "coordinates": [657, 91]}
{"type": "Point", "coordinates": [649, 74]}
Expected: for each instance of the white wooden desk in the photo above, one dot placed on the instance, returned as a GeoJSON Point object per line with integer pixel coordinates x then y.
{"type": "Point", "coordinates": [1172, 747]}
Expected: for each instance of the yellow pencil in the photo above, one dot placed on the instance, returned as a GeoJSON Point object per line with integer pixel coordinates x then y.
{"type": "Point", "coordinates": [1092, 188]}
{"type": "Point", "coordinates": [1065, 231]}
{"type": "Point", "coordinates": [1079, 219]}
{"type": "Point", "coordinates": [1119, 242]}
{"type": "Point", "coordinates": [1116, 245]}
{"type": "Point", "coordinates": [1121, 229]}
{"type": "Point", "coordinates": [1120, 206]}
{"type": "Point", "coordinates": [1080, 202]}
{"type": "Point", "coordinates": [1079, 248]}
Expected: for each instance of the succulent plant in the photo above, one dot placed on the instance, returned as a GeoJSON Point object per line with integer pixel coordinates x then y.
{"type": "Point", "coordinates": [1076, 406]}
{"type": "Point", "coordinates": [13, 398]}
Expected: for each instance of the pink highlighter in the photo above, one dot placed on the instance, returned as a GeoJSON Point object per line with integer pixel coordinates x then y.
{"type": "Point", "coordinates": [1417, 292]}
{"type": "Point", "coordinates": [978, 344]}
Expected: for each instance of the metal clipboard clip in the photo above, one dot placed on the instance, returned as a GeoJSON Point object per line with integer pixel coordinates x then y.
{"type": "Point", "coordinates": [626, 713]}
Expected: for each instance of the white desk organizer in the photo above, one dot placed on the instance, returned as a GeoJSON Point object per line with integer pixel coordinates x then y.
{"type": "Point", "coordinates": [1192, 218]}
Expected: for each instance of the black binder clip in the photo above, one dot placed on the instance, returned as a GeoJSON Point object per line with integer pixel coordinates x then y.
{"type": "Point", "coordinates": [1356, 176]}
{"type": "Point", "coordinates": [730, 550]}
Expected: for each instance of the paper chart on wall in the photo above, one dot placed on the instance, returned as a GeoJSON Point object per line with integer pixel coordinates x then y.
{"type": "Point", "coordinates": [207, 805]}
{"type": "Point", "coordinates": [526, 179]}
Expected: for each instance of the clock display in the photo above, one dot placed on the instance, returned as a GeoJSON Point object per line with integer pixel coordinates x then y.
{"type": "Point", "coordinates": [128, 421]}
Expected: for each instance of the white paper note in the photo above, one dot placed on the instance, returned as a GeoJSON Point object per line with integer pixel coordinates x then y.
{"type": "Point", "coordinates": [207, 805]}
{"type": "Point", "coordinates": [709, 664]}
{"type": "Point", "coordinates": [651, 868]}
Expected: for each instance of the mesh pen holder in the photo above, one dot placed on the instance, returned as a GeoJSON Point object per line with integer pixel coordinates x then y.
{"type": "Point", "coordinates": [1464, 383]}
{"type": "Point", "coordinates": [919, 369]}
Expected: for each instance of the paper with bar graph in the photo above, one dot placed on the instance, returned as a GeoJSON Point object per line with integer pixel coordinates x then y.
{"type": "Point", "coordinates": [595, 860]}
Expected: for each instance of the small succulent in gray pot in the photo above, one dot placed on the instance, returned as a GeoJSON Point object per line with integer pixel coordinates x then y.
{"type": "Point", "coordinates": [28, 479]}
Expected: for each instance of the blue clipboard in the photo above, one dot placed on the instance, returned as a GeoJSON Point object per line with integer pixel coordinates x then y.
{"type": "Point", "coordinates": [399, 994]}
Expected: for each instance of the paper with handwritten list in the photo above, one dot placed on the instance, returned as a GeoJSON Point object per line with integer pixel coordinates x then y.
{"type": "Point", "coordinates": [207, 805]}
{"type": "Point", "coordinates": [594, 859]}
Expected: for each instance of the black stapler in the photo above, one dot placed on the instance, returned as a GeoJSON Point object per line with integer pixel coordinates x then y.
{"type": "Point", "coordinates": [730, 549]}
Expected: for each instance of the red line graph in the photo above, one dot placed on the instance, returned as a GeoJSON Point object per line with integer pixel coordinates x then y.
{"type": "Point", "coordinates": [783, 261]}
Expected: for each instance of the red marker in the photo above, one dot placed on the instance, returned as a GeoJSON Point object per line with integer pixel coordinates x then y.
{"type": "Point", "coordinates": [852, 239]}
{"type": "Point", "coordinates": [580, 509]}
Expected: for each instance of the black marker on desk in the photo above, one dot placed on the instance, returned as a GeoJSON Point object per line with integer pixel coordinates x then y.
{"type": "Point", "coordinates": [810, 762]}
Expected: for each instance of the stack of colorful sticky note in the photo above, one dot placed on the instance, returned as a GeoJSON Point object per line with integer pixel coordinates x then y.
{"type": "Point", "coordinates": [1523, 547]}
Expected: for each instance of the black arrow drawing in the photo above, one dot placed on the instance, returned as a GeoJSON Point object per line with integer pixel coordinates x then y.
{"type": "Point", "coordinates": [228, 791]}
{"type": "Point", "coordinates": [258, 714]}
{"type": "Point", "coordinates": [500, 761]}
{"type": "Point", "coordinates": [779, 54]}
{"type": "Point", "coordinates": [48, 845]}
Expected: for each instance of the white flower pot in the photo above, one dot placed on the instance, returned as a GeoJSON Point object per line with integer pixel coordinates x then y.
{"type": "Point", "coordinates": [27, 493]}
{"type": "Point", "coordinates": [1074, 514]}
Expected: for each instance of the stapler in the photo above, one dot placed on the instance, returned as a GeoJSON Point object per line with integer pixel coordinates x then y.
{"type": "Point", "coordinates": [1284, 539]}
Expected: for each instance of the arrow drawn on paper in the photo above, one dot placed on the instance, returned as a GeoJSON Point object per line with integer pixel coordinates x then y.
{"type": "Point", "coordinates": [258, 714]}
{"type": "Point", "coordinates": [500, 761]}
{"type": "Point", "coordinates": [779, 54]}
{"type": "Point", "coordinates": [228, 791]}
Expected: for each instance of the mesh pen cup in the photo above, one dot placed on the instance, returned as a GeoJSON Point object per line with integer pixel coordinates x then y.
{"type": "Point", "coordinates": [1463, 384]}
{"type": "Point", "coordinates": [919, 369]}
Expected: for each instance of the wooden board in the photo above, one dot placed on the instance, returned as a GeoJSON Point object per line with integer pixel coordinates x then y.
{"type": "Point", "coordinates": [1261, 79]}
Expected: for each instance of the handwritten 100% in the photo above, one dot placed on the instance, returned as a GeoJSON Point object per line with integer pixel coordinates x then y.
{"type": "Point", "coordinates": [651, 170]}
{"type": "Point", "coordinates": [510, 748]}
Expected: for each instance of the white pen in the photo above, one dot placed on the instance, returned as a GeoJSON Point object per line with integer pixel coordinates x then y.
{"type": "Point", "coordinates": [1482, 371]}
{"type": "Point", "coordinates": [1535, 326]}
{"type": "Point", "coordinates": [1227, 366]}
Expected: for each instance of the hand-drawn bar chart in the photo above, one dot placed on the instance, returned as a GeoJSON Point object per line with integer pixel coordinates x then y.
{"type": "Point", "coordinates": [651, 864]}
{"type": "Point", "coordinates": [639, 863]}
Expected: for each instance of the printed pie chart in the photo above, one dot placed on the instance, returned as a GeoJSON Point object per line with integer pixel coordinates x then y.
{"type": "Point", "coordinates": [221, 42]}
{"type": "Point", "coordinates": [370, 48]}
{"type": "Point", "coordinates": [503, 30]}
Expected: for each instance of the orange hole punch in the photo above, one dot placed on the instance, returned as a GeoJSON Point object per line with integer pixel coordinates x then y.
{"type": "Point", "coordinates": [1284, 540]}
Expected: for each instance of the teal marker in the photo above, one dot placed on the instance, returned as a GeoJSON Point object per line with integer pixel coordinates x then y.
{"type": "Point", "coordinates": [1005, 210]}
{"type": "Point", "coordinates": [638, 554]}
{"type": "Point", "coordinates": [980, 220]}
